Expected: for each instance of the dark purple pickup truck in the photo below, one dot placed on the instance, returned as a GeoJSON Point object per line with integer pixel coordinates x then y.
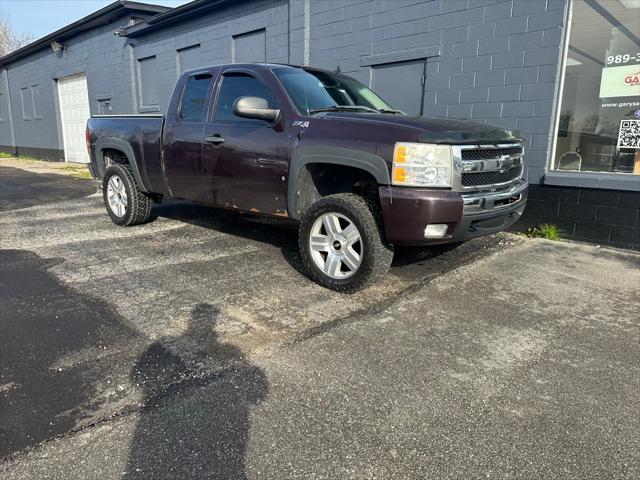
{"type": "Point", "coordinates": [320, 148]}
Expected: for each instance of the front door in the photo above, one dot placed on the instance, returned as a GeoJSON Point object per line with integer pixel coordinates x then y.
{"type": "Point", "coordinates": [245, 161]}
{"type": "Point", "coordinates": [184, 129]}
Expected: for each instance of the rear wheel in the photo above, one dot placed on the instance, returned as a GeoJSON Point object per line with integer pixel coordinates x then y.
{"type": "Point", "coordinates": [126, 204]}
{"type": "Point", "coordinates": [341, 243]}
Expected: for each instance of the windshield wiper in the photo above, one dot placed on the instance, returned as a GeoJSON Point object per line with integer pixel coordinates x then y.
{"type": "Point", "coordinates": [391, 110]}
{"type": "Point", "coordinates": [343, 108]}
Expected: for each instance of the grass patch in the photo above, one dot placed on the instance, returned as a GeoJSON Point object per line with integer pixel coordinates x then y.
{"type": "Point", "coordinates": [20, 157]}
{"type": "Point", "coordinates": [546, 230]}
{"type": "Point", "coordinates": [77, 171]}
{"type": "Point", "coordinates": [82, 175]}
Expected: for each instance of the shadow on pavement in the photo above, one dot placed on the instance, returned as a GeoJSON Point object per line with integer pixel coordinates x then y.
{"type": "Point", "coordinates": [23, 189]}
{"type": "Point", "coordinates": [50, 340]}
{"type": "Point", "coordinates": [281, 233]}
{"type": "Point", "coordinates": [194, 427]}
{"type": "Point", "coordinates": [409, 255]}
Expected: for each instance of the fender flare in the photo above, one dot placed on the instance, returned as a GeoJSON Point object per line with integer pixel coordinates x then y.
{"type": "Point", "coordinates": [303, 156]}
{"type": "Point", "coordinates": [125, 149]}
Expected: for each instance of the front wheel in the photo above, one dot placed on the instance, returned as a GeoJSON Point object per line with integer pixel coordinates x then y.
{"type": "Point", "coordinates": [126, 204]}
{"type": "Point", "coordinates": [341, 243]}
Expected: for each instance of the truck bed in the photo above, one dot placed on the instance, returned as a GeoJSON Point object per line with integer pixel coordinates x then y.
{"type": "Point", "coordinates": [142, 134]}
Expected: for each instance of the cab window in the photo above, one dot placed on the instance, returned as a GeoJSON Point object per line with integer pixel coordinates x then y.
{"type": "Point", "coordinates": [194, 98]}
{"type": "Point", "coordinates": [236, 85]}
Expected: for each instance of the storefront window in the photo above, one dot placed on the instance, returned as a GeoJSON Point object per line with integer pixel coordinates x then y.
{"type": "Point", "coordinates": [599, 123]}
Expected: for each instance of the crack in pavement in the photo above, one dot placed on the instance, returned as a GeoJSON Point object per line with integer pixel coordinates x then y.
{"type": "Point", "coordinates": [377, 308]}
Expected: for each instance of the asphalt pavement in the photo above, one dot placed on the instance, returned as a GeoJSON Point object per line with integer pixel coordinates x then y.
{"type": "Point", "coordinates": [195, 347]}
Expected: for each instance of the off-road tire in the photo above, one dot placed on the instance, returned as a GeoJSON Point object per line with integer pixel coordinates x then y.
{"type": "Point", "coordinates": [365, 215]}
{"type": "Point", "coordinates": [139, 204]}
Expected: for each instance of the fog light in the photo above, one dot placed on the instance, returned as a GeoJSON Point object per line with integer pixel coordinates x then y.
{"type": "Point", "coordinates": [435, 230]}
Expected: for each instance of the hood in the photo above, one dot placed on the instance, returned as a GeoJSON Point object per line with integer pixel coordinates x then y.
{"type": "Point", "coordinates": [436, 130]}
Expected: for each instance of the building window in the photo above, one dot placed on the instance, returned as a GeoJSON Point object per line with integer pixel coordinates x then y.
{"type": "Point", "coordinates": [3, 109]}
{"type": "Point", "coordinates": [29, 97]}
{"type": "Point", "coordinates": [599, 120]}
{"type": "Point", "coordinates": [148, 84]}
{"type": "Point", "coordinates": [188, 58]}
{"type": "Point", "coordinates": [27, 103]}
{"type": "Point", "coordinates": [35, 98]}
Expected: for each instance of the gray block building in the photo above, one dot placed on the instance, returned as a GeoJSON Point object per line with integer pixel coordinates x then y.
{"type": "Point", "coordinates": [566, 73]}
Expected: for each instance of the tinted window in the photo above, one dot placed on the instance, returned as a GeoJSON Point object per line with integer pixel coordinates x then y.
{"type": "Point", "coordinates": [234, 86]}
{"type": "Point", "coordinates": [194, 98]}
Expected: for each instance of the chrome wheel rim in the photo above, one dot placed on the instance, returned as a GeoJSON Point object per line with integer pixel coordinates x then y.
{"type": "Point", "coordinates": [336, 245]}
{"type": "Point", "coordinates": [117, 196]}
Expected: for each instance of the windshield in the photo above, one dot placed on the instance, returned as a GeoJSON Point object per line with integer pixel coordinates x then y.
{"type": "Point", "coordinates": [313, 90]}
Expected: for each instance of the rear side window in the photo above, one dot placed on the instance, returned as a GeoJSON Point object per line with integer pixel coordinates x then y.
{"type": "Point", "coordinates": [194, 98]}
{"type": "Point", "coordinates": [234, 86]}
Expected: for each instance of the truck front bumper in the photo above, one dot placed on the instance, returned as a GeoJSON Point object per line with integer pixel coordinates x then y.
{"type": "Point", "coordinates": [406, 212]}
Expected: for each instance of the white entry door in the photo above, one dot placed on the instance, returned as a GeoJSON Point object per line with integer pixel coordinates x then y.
{"type": "Point", "coordinates": [74, 113]}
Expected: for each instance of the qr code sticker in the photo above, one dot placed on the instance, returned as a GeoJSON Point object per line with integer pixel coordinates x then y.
{"type": "Point", "coordinates": [629, 136]}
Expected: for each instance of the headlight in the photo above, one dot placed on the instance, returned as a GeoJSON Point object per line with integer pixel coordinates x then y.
{"type": "Point", "coordinates": [422, 165]}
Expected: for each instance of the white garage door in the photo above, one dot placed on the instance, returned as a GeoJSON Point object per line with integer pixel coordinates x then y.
{"type": "Point", "coordinates": [74, 112]}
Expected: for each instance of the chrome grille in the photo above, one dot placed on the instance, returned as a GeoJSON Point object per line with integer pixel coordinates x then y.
{"type": "Point", "coordinates": [476, 179]}
{"type": "Point", "coordinates": [486, 167]}
{"type": "Point", "coordinates": [489, 153]}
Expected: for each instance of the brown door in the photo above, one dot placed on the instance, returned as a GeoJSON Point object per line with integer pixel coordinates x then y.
{"type": "Point", "coordinates": [245, 161]}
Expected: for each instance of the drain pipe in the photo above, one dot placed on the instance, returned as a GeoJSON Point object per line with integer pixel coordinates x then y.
{"type": "Point", "coordinates": [13, 132]}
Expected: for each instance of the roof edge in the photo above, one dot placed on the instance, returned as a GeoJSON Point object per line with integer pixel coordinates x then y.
{"type": "Point", "coordinates": [76, 27]}
{"type": "Point", "coordinates": [174, 15]}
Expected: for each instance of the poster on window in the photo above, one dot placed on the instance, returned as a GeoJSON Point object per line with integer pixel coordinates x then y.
{"type": "Point", "coordinates": [620, 91]}
{"type": "Point", "coordinates": [621, 81]}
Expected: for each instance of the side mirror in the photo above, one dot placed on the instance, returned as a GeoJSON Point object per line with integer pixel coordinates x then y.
{"type": "Point", "coordinates": [255, 107]}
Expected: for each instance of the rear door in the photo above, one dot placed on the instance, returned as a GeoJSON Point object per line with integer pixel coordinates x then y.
{"type": "Point", "coordinates": [183, 135]}
{"type": "Point", "coordinates": [245, 161]}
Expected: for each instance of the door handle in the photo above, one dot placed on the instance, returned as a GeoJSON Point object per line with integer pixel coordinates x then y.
{"type": "Point", "coordinates": [264, 162]}
{"type": "Point", "coordinates": [216, 139]}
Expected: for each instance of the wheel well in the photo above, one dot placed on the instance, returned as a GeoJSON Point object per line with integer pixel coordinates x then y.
{"type": "Point", "coordinates": [111, 156]}
{"type": "Point", "coordinates": [317, 180]}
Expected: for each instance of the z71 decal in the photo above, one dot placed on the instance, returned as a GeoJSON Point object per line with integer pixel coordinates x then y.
{"type": "Point", "coordinates": [300, 123]}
